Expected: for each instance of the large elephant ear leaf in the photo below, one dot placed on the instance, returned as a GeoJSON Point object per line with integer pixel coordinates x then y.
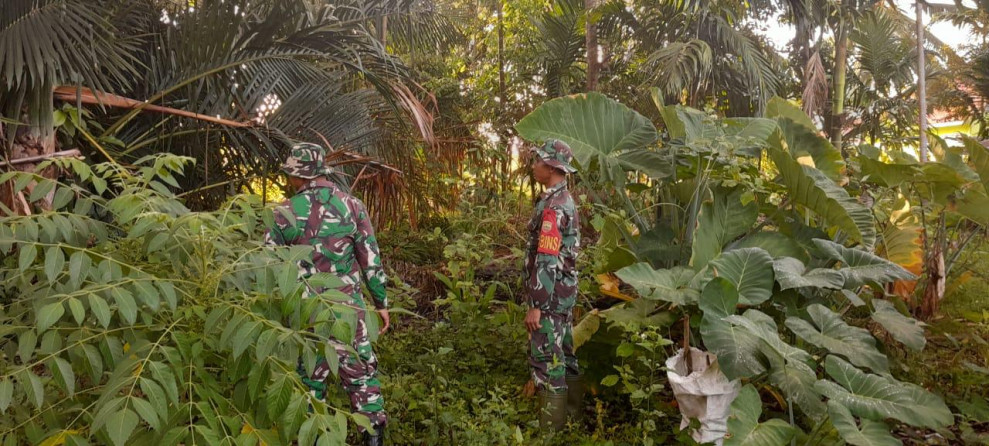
{"type": "Point", "coordinates": [877, 397]}
{"type": "Point", "coordinates": [596, 127]}
{"type": "Point", "coordinates": [861, 267]}
{"type": "Point", "coordinates": [813, 190]}
{"type": "Point", "coordinates": [790, 368]}
{"type": "Point", "coordinates": [803, 142]}
{"type": "Point", "coordinates": [721, 219]}
{"type": "Point", "coordinates": [750, 270]}
{"type": "Point", "coordinates": [831, 333]}
{"type": "Point", "coordinates": [791, 273]}
{"type": "Point", "coordinates": [978, 158]}
{"type": "Point", "coordinates": [668, 285]}
{"type": "Point", "coordinates": [870, 433]}
{"type": "Point", "coordinates": [744, 428]}
{"type": "Point", "coordinates": [905, 329]}
{"type": "Point", "coordinates": [780, 108]}
{"type": "Point", "coordinates": [737, 348]}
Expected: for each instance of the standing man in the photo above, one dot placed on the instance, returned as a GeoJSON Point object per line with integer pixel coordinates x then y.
{"type": "Point", "coordinates": [551, 285]}
{"type": "Point", "coordinates": [337, 226]}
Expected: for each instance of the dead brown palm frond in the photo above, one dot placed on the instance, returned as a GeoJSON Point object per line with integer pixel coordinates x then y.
{"type": "Point", "coordinates": [89, 97]}
{"type": "Point", "coordinates": [815, 85]}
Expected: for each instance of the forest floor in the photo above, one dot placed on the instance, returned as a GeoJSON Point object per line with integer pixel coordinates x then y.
{"type": "Point", "coordinates": [457, 374]}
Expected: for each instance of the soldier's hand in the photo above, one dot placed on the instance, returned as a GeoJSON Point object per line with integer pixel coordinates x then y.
{"type": "Point", "coordinates": [386, 322]}
{"type": "Point", "coordinates": [532, 319]}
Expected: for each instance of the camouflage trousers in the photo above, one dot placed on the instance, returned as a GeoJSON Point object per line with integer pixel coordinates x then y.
{"type": "Point", "coordinates": [358, 375]}
{"type": "Point", "coordinates": [551, 354]}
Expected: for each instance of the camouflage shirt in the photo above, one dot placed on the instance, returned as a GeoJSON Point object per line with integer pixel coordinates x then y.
{"type": "Point", "coordinates": [337, 226]}
{"type": "Point", "coordinates": [551, 254]}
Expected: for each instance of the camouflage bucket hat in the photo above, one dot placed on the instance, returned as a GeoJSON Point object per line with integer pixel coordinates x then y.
{"type": "Point", "coordinates": [556, 153]}
{"type": "Point", "coordinates": [307, 161]}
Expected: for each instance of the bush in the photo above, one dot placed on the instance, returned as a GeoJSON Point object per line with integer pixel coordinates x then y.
{"type": "Point", "coordinates": [127, 318]}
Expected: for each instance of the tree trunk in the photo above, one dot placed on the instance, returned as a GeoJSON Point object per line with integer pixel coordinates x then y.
{"type": "Point", "coordinates": [936, 274]}
{"type": "Point", "coordinates": [593, 59]}
{"type": "Point", "coordinates": [36, 139]}
{"type": "Point", "coordinates": [501, 54]}
{"type": "Point", "coordinates": [838, 90]}
{"type": "Point", "coordinates": [921, 84]}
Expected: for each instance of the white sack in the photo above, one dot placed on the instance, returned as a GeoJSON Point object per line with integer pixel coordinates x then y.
{"type": "Point", "coordinates": [705, 394]}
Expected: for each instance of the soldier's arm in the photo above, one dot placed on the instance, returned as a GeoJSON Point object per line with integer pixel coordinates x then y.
{"type": "Point", "coordinates": [369, 257]}
{"type": "Point", "coordinates": [547, 267]}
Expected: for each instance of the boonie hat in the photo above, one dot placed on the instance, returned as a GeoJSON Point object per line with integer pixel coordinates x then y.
{"type": "Point", "coordinates": [306, 160]}
{"type": "Point", "coordinates": [556, 153]}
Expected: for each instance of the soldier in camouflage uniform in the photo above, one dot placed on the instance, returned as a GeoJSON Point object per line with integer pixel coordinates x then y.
{"type": "Point", "coordinates": [551, 286]}
{"type": "Point", "coordinates": [337, 226]}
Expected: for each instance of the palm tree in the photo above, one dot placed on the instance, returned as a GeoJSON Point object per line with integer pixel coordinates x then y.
{"type": "Point", "coordinates": [695, 50]}
{"type": "Point", "coordinates": [271, 70]}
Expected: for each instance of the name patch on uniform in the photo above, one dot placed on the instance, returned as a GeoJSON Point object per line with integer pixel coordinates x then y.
{"type": "Point", "coordinates": [550, 239]}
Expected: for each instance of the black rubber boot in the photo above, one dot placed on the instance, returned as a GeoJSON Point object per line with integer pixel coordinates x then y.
{"type": "Point", "coordinates": [575, 396]}
{"type": "Point", "coordinates": [375, 437]}
{"type": "Point", "coordinates": [552, 410]}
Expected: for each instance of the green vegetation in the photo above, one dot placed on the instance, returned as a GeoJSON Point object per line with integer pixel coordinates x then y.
{"type": "Point", "coordinates": [766, 206]}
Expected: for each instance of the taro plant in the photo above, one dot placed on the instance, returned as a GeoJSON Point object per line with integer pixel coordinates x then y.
{"type": "Point", "coordinates": [750, 234]}
{"type": "Point", "coordinates": [127, 319]}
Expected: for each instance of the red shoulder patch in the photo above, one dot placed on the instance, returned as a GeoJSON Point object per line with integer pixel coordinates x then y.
{"type": "Point", "coordinates": [549, 234]}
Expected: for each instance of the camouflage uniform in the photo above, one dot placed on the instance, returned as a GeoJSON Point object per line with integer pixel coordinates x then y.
{"type": "Point", "coordinates": [551, 276]}
{"type": "Point", "coordinates": [337, 226]}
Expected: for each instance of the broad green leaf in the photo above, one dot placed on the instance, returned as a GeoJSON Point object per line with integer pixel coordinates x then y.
{"type": "Point", "coordinates": [78, 310]}
{"type": "Point", "coordinates": [978, 158]}
{"type": "Point", "coordinates": [789, 368]}
{"type": "Point", "coordinates": [871, 433]}
{"type": "Point", "coordinates": [736, 348]}
{"type": "Point", "coordinates": [49, 314]}
{"type": "Point", "coordinates": [887, 175]}
{"type": "Point", "coordinates": [168, 292]}
{"type": "Point", "coordinates": [121, 426]}
{"type": "Point", "coordinates": [245, 337]}
{"type": "Point", "coordinates": [637, 314]}
{"type": "Point", "coordinates": [100, 309]}
{"type": "Point", "coordinates": [147, 293]}
{"type": "Point", "coordinates": [62, 198]}
{"type": "Point", "coordinates": [720, 220]}
{"type": "Point", "coordinates": [26, 257]}
{"type": "Point", "coordinates": [905, 329]}
{"type": "Point", "coordinates": [831, 333]}
{"type": "Point", "coordinates": [6, 394]}
{"type": "Point", "coordinates": [26, 344]}
{"type": "Point", "coordinates": [54, 263]}
{"type": "Point", "coordinates": [33, 387]}
{"type": "Point", "coordinates": [43, 187]}
{"type": "Point", "coordinates": [126, 307]}
{"type": "Point", "coordinates": [775, 243]}
{"type": "Point", "coordinates": [790, 273]}
{"type": "Point", "coordinates": [860, 267]}
{"type": "Point", "coordinates": [750, 270]}
{"type": "Point", "coordinates": [156, 396]}
{"type": "Point", "coordinates": [804, 142]}
{"type": "Point", "coordinates": [278, 396]}
{"type": "Point", "coordinates": [668, 285]}
{"type": "Point", "coordinates": [744, 428]}
{"type": "Point", "coordinates": [598, 129]}
{"type": "Point", "coordinates": [877, 397]}
{"type": "Point", "coordinates": [266, 344]}
{"type": "Point", "coordinates": [146, 411]}
{"type": "Point", "coordinates": [813, 190]}
{"type": "Point", "coordinates": [778, 107]}
{"type": "Point", "coordinates": [66, 377]}
{"type": "Point", "coordinates": [308, 431]}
